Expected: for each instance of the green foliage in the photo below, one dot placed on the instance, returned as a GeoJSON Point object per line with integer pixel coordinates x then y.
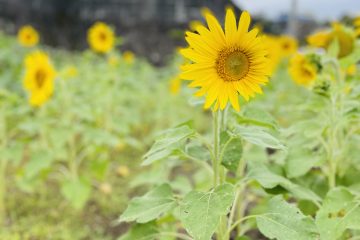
{"type": "Point", "coordinates": [284, 221]}
{"type": "Point", "coordinates": [167, 143]}
{"type": "Point", "coordinates": [232, 152]}
{"type": "Point", "coordinates": [143, 209]}
{"type": "Point", "coordinates": [340, 211]}
{"type": "Point", "coordinates": [200, 212]}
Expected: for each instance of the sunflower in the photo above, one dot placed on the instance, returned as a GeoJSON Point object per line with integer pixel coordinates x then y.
{"type": "Point", "coordinates": [319, 39]}
{"type": "Point", "coordinates": [344, 36]}
{"type": "Point", "coordinates": [128, 57]}
{"type": "Point", "coordinates": [357, 26]}
{"type": "Point", "coordinates": [101, 38]}
{"type": "Point", "coordinates": [288, 45]}
{"type": "Point", "coordinates": [39, 78]}
{"type": "Point", "coordinates": [274, 52]}
{"type": "Point", "coordinates": [303, 70]}
{"type": "Point", "coordinates": [28, 36]}
{"type": "Point", "coordinates": [225, 64]}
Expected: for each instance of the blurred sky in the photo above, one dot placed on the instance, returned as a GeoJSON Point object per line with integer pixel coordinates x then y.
{"type": "Point", "coordinates": [319, 9]}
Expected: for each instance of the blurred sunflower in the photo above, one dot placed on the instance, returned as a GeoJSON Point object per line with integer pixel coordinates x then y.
{"type": "Point", "coordinates": [39, 78]}
{"type": "Point", "coordinates": [351, 70]}
{"type": "Point", "coordinates": [288, 45]}
{"type": "Point", "coordinates": [175, 85]}
{"type": "Point", "coordinates": [357, 26]}
{"type": "Point", "coordinates": [70, 72]}
{"type": "Point", "coordinates": [101, 38]}
{"type": "Point", "coordinates": [274, 52]}
{"type": "Point", "coordinates": [344, 36]}
{"type": "Point", "coordinates": [225, 64]}
{"type": "Point", "coordinates": [113, 61]}
{"type": "Point", "coordinates": [128, 57]}
{"type": "Point", "coordinates": [28, 36]}
{"type": "Point", "coordinates": [302, 70]}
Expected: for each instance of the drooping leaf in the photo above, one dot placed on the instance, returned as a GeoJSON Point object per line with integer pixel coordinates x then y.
{"type": "Point", "coordinates": [269, 180]}
{"type": "Point", "coordinates": [150, 206]}
{"type": "Point", "coordinates": [200, 212]}
{"type": "Point", "coordinates": [258, 136]}
{"type": "Point", "coordinates": [340, 211]}
{"type": "Point", "coordinates": [257, 117]}
{"type": "Point", "coordinates": [167, 143]}
{"type": "Point", "coordinates": [284, 221]}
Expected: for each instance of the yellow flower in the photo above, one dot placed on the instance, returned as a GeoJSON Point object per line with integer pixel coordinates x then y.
{"type": "Point", "coordinates": [351, 70]}
{"type": "Point", "coordinates": [225, 64]}
{"type": "Point", "coordinates": [39, 78]}
{"type": "Point", "coordinates": [357, 26]}
{"type": "Point", "coordinates": [105, 188]}
{"type": "Point", "coordinates": [70, 72]}
{"type": "Point", "coordinates": [28, 36]}
{"type": "Point", "coordinates": [274, 52]}
{"type": "Point", "coordinates": [101, 38]}
{"type": "Point", "coordinates": [288, 45]}
{"type": "Point", "coordinates": [129, 57]}
{"type": "Point", "coordinates": [113, 61]}
{"type": "Point", "coordinates": [123, 171]}
{"type": "Point", "coordinates": [302, 70]}
{"type": "Point", "coordinates": [175, 85]}
{"type": "Point", "coordinates": [345, 38]}
{"type": "Point", "coordinates": [319, 39]}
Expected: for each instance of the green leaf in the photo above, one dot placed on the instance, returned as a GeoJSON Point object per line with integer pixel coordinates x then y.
{"type": "Point", "coordinates": [200, 212]}
{"type": "Point", "coordinates": [258, 136]}
{"type": "Point", "coordinates": [77, 192]}
{"type": "Point", "coordinates": [351, 59]}
{"type": "Point", "coordinates": [257, 117]}
{"type": "Point", "coordinates": [340, 211]}
{"type": "Point", "coordinates": [150, 206]}
{"type": "Point", "coordinates": [231, 153]}
{"type": "Point", "coordinates": [147, 231]}
{"type": "Point", "coordinates": [300, 161]}
{"type": "Point", "coordinates": [39, 161]}
{"type": "Point", "coordinates": [268, 179]}
{"type": "Point", "coordinates": [165, 145]}
{"type": "Point", "coordinates": [284, 221]}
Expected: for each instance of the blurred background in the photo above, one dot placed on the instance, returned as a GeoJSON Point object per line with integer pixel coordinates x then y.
{"type": "Point", "coordinates": [152, 28]}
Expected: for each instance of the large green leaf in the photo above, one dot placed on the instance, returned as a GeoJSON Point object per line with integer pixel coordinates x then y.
{"type": "Point", "coordinates": [200, 212]}
{"type": "Point", "coordinates": [340, 211]}
{"type": "Point", "coordinates": [165, 145]}
{"type": "Point", "coordinates": [284, 221]}
{"type": "Point", "coordinates": [147, 231]}
{"type": "Point", "coordinates": [258, 136]}
{"type": "Point", "coordinates": [268, 180]}
{"type": "Point", "coordinates": [150, 206]}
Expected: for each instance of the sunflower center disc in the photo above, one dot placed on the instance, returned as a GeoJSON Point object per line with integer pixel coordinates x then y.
{"type": "Point", "coordinates": [232, 65]}
{"type": "Point", "coordinates": [40, 77]}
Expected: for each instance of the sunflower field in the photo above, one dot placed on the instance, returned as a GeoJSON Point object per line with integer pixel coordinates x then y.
{"type": "Point", "coordinates": [243, 135]}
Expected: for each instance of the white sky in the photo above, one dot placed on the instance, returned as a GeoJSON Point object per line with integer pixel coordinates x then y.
{"type": "Point", "coordinates": [320, 9]}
